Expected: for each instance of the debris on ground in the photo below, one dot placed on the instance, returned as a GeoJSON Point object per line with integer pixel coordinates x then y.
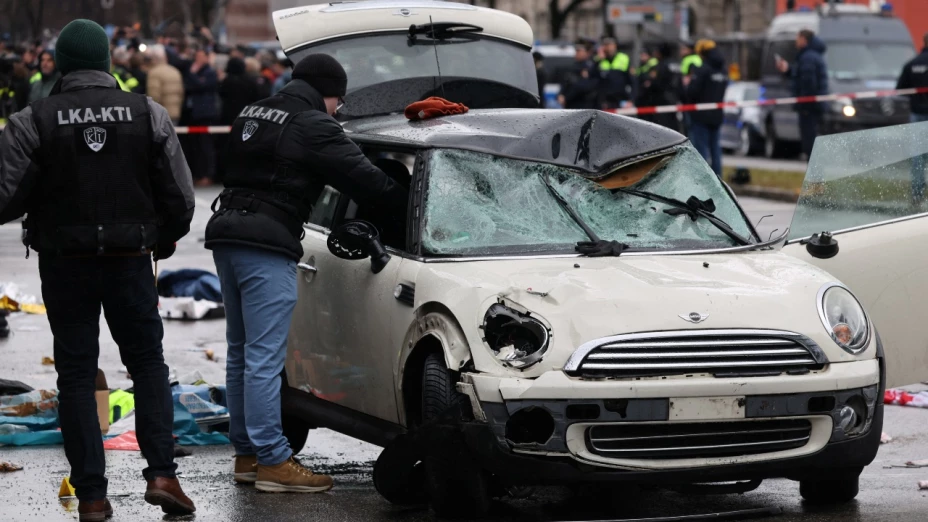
{"type": "Point", "coordinates": [180, 451]}
{"type": "Point", "coordinates": [904, 398]}
{"type": "Point", "coordinates": [885, 438]}
{"type": "Point", "coordinates": [189, 309]}
{"type": "Point", "coordinates": [125, 442]}
{"type": "Point", "coordinates": [29, 419]}
{"type": "Point", "coordinates": [13, 300]}
{"type": "Point", "coordinates": [923, 484]}
{"type": "Point", "coordinates": [917, 463]}
{"type": "Point", "coordinates": [210, 355]}
{"type": "Point", "coordinates": [47, 361]}
{"type": "Point", "coordinates": [6, 467]}
{"type": "Point", "coordinates": [198, 284]}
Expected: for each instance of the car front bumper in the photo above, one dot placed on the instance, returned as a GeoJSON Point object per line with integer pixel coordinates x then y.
{"type": "Point", "coordinates": [570, 455]}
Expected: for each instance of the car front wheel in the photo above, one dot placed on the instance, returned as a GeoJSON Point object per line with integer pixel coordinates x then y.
{"type": "Point", "coordinates": [830, 491]}
{"type": "Point", "coordinates": [457, 487]}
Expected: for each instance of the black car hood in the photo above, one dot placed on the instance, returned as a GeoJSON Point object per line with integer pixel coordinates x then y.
{"type": "Point", "coordinates": [589, 141]}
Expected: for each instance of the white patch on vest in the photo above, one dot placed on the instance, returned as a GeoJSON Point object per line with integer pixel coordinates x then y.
{"type": "Point", "coordinates": [919, 69]}
{"type": "Point", "coordinates": [87, 115]}
{"type": "Point", "coordinates": [95, 137]}
{"type": "Point", "coordinates": [264, 113]}
{"type": "Point", "coordinates": [251, 126]}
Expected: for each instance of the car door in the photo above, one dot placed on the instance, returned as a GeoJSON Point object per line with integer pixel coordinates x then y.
{"type": "Point", "coordinates": [343, 329]}
{"type": "Point", "coordinates": [731, 116]}
{"type": "Point", "coordinates": [859, 186]}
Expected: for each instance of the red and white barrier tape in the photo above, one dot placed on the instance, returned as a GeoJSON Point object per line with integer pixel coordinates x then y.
{"type": "Point", "coordinates": [661, 109]}
{"type": "Point", "coordinates": [690, 107]}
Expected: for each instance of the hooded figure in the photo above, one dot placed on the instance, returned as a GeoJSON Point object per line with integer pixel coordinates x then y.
{"type": "Point", "coordinates": [43, 80]}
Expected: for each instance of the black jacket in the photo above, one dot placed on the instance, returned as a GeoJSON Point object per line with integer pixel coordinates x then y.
{"type": "Point", "coordinates": [282, 152]}
{"type": "Point", "coordinates": [915, 74]}
{"type": "Point", "coordinates": [810, 75]}
{"type": "Point", "coordinates": [98, 170]}
{"type": "Point", "coordinates": [581, 86]}
{"type": "Point", "coordinates": [202, 100]}
{"type": "Point", "coordinates": [708, 85]}
{"type": "Point", "coordinates": [237, 90]}
{"type": "Point", "coordinates": [656, 87]}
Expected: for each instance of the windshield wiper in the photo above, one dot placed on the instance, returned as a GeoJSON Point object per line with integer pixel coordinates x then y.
{"type": "Point", "coordinates": [595, 247]}
{"type": "Point", "coordinates": [442, 30]}
{"type": "Point", "coordinates": [694, 208]}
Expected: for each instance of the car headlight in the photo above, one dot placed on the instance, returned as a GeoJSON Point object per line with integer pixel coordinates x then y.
{"type": "Point", "coordinates": [844, 318]}
{"type": "Point", "coordinates": [845, 107]}
{"type": "Point", "coordinates": [517, 339]}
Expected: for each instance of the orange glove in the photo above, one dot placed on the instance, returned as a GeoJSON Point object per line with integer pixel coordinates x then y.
{"type": "Point", "coordinates": [433, 107]}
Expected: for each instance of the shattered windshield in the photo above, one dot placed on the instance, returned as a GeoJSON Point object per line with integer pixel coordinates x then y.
{"type": "Point", "coordinates": [480, 204]}
{"type": "Point", "coordinates": [863, 178]}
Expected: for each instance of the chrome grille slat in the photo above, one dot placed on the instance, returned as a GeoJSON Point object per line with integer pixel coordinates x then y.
{"type": "Point", "coordinates": [728, 352]}
{"type": "Point", "coordinates": [702, 344]}
{"type": "Point", "coordinates": [675, 355]}
{"type": "Point", "coordinates": [697, 439]}
{"type": "Point", "coordinates": [699, 365]}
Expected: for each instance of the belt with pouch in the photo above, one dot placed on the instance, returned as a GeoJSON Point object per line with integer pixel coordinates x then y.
{"type": "Point", "coordinates": [252, 203]}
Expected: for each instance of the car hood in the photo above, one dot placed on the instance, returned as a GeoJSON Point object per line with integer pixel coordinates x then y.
{"type": "Point", "coordinates": [584, 299]}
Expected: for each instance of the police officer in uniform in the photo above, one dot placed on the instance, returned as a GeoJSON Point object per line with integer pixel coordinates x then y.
{"type": "Point", "coordinates": [616, 80]}
{"type": "Point", "coordinates": [105, 185]}
{"type": "Point", "coordinates": [915, 74]}
{"type": "Point", "coordinates": [282, 152]}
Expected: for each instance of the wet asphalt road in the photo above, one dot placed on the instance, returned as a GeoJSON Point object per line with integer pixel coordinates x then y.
{"type": "Point", "coordinates": [889, 495]}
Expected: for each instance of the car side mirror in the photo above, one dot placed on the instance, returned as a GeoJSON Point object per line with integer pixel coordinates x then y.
{"type": "Point", "coordinates": [357, 240]}
{"type": "Point", "coordinates": [822, 246]}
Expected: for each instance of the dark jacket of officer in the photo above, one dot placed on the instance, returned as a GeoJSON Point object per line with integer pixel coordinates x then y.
{"type": "Point", "coordinates": [282, 152]}
{"type": "Point", "coordinates": [915, 74]}
{"type": "Point", "coordinates": [98, 170]}
{"type": "Point", "coordinates": [810, 74]}
{"type": "Point", "coordinates": [581, 86]}
{"type": "Point", "coordinates": [708, 85]}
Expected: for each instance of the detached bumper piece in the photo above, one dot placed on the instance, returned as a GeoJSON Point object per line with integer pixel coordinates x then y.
{"type": "Point", "coordinates": [697, 440]}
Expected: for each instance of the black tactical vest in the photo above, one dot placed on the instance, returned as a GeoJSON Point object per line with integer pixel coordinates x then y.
{"type": "Point", "coordinates": [94, 195]}
{"type": "Point", "coordinates": [257, 172]}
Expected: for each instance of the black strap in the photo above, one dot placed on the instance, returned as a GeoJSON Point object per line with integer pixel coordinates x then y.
{"type": "Point", "coordinates": [252, 203]}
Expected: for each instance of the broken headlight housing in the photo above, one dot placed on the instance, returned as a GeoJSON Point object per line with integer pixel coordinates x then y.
{"type": "Point", "coordinates": [517, 339]}
{"type": "Point", "coordinates": [844, 318]}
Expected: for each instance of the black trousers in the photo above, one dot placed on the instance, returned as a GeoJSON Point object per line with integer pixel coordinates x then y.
{"type": "Point", "coordinates": [809, 123]}
{"type": "Point", "coordinates": [74, 289]}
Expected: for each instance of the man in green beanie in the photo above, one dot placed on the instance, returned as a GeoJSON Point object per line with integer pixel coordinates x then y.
{"type": "Point", "coordinates": [104, 183]}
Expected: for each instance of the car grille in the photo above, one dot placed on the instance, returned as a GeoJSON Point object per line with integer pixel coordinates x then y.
{"type": "Point", "coordinates": [722, 353]}
{"type": "Point", "coordinates": [697, 440]}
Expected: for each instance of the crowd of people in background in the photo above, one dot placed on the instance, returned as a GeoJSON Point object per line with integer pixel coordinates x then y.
{"type": "Point", "coordinates": [188, 76]}
{"type": "Point", "coordinates": [604, 78]}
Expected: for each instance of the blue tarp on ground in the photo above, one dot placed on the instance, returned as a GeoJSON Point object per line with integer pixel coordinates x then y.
{"type": "Point", "coordinates": [198, 284]}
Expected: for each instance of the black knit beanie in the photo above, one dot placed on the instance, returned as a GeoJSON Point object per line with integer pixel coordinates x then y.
{"type": "Point", "coordinates": [324, 73]}
{"type": "Point", "coordinates": [82, 44]}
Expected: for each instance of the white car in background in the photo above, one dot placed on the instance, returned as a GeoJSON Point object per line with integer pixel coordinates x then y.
{"type": "Point", "coordinates": [574, 296]}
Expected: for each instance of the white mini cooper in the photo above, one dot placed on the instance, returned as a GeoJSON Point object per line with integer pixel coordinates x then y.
{"type": "Point", "coordinates": [574, 296]}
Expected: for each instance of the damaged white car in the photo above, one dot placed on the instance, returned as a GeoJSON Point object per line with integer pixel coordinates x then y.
{"type": "Point", "coordinates": [575, 297]}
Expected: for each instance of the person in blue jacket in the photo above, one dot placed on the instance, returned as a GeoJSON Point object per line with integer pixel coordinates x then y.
{"type": "Point", "coordinates": [810, 78]}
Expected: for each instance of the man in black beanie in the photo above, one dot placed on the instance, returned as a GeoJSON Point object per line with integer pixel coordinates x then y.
{"type": "Point", "coordinates": [100, 174]}
{"type": "Point", "coordinates": [282, 152]}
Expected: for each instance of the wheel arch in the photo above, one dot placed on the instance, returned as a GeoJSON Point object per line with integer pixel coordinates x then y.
{"type": "Point", "coordinates": [434, 330]}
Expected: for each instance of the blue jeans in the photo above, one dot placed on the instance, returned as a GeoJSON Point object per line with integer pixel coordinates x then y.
{"type": "Point", "coordinates": [918, 165]}
{"type": "Point", "coordinates": [707, 141]}
{"type": "Point", "coordinates": [259, 294]}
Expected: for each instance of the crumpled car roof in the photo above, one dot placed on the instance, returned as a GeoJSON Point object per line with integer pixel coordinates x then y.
{"type": "Point", "coordinates": [590, 141]}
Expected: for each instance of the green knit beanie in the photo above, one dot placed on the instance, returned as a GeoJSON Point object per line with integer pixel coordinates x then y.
{"type": "Point", "coordinates": [82, 44]}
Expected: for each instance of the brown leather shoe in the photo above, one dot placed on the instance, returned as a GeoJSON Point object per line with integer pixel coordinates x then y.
{"type": "Point", "coordinates": [166, 492]}
{"type": "Point", "coordinates": [291, 477]}
{"type": "Point", "coordinates": [246, 469]}
{"type": "Point", "coordinates": [95, 511]}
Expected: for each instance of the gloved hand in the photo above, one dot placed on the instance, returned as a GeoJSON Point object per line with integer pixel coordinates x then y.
{"type": "Point", "coordinates": [163, 251]}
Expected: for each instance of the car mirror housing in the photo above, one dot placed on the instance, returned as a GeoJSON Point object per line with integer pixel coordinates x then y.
{"type": "Point", "coordinates": [357, 240]}
{"type": "Point", "coordinates": [822, 246]}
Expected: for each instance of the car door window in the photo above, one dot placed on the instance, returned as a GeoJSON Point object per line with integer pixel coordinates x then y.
{"type": "Point", "coordinates": [859, 179]}
{"type": "Point", "coordinates": [324, 210]}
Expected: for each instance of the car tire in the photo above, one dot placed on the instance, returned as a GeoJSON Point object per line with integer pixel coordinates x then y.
{"type": "Point", "coordinates": [749, 142]}
{"type": "Point", "coordinates": [831, 491]}
{"type": "Point", "coordinates": [457, 487]}
{"type": "Point", "coordinates": [773, 147]}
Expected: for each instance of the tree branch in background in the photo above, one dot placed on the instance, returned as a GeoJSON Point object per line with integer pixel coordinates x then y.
{"type": "Point", "coordinates": [559, 16]}
{"type": "Point", "coordinates": [144, 14]}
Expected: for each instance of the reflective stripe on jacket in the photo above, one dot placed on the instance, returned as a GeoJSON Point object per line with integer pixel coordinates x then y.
{"type": "Point", "coordinates": [689, 61]}
{"type": "Point", "coordinates": [619, 63]}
